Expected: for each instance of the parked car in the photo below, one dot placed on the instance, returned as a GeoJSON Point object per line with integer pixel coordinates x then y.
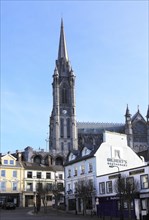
{"type": "Point", "coordinates": [9, 205]}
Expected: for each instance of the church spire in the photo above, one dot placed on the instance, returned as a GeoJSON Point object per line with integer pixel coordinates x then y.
{"type": "Point", "coordinates": [62, 52]}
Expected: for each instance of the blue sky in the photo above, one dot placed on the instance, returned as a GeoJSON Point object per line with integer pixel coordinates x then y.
{"type": "Point", "coordinates": [107, 44]}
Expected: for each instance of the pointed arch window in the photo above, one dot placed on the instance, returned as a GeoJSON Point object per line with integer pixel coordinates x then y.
{"type": "Point", "coordinates": [68, 127]}
{"type": "Point", "coordinates": [62, 128]}
{"type": "Point", "coordinates": [64, 95]}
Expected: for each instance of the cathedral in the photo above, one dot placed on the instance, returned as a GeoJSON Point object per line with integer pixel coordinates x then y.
{"type": "Point", "coordinates": [66, 134]}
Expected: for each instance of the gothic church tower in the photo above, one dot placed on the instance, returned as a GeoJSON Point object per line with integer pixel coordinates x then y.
{"type": "Point", "coordinates": [63, 127]}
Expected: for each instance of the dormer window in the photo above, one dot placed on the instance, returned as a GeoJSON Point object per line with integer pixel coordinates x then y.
{"type": "Point", "coordinates": [11, 162]}
{"type": "Point", "coordinates": [6, 162]}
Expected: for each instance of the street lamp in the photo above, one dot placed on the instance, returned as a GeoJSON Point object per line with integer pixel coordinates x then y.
{"type": "Point", "coordinates": [120, 193]}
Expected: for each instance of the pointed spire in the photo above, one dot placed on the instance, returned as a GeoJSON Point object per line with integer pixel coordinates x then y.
{"type": "Point", "coordinates": [62, 52]}
{"type": "Point", "coordinates": [127, 112]}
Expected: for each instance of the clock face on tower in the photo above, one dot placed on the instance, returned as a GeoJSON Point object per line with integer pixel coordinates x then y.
{"type": "Point", "coordinates": [64, 111]}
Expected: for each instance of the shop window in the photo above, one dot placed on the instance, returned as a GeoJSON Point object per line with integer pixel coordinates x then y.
{"type": "Point", "coordinates": [144, 181]}
{"type": "Point", "coordinates": [144, 204]}
{"type": "Point", "coordinates": [102, 188]}
{"type": "Point", "coordinates": [109, 186]}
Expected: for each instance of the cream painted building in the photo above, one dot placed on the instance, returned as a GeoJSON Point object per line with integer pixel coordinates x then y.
{"type": "Point", "coordinates": [11, 179]}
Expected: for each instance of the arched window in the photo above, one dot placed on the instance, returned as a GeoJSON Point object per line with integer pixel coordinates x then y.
{"type": "Point", "coordinates": [59, 161]}
{"type": "Point", "coordinates": [68, 127]}
{"type": "Point", "coordinates": [62, 127]}
{"type": "Point", "coordinates": [64, 95]}
{"type": "Point", "coordinates": [37, 159]}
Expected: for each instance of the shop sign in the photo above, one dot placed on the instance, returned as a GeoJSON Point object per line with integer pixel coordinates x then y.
{"type": "Point", "coordinates": [116, 162]}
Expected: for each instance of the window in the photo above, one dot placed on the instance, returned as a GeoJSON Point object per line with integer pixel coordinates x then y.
{"type": "Point", "coordinates": [5, 162]}
{"type": "Point", "coordinates": [144, 204]}
{"type": "Point", "coordinates": [3, 173]}
{"type": "Point", "coordinates": [75, 171]}
{"type": "Point", "coordinates": [68, 186]}
{"type": "Point", "coordinates": [12, 162]}
{"type": "Point", "coordinates": [29, 187]}
{"type": "Point", "coordinates": [62, 127]}
{"type": "Point", "coordinates": [38, 175]}
{"type": "Point", "coordinates": [82, 169]}
{"type": "Point", "coordinates": [14, 173]}
{"type": "Point", "coordinates": [75, 187]}
{"type": "Point", "coordinates": [3, 186]}
{"type": "Point", "coordinates": [109, 186]}
{"type": "Point", "coordinates": [60, 186]}
{"type": "Point", "coordinates": [130, 183]}
{"type": "Point", "coordinates": [60, 176]}
{"type": "Point", "coordinates": [64, 96]}
{"type": "Point", "coordinates": [39, 186]}
{"type": "Point", "coordinates": [69, 173]}
{"type": "Point", "coordinates": [90, 167]}
{"type": "Point", "coordinates": [144, 181]}
{"type": "Point", "coordinates": [29, 174]}
{"type": "Point", "coordinates": [49, 186]}
{"type": "Point", "coordinates": [102, 188]}
{"type": "Point", "coordinates": [48, 175]}
{"type": "Point", "coordinates": [14, 186]}
{"type": "Point", "coordinates": [68, 127]}
{"type": "Point", "coordinates": [90, 181]}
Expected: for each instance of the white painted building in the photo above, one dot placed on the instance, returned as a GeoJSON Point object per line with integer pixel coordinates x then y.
{"type": "Point", "coordinates": [94, 161]}
{"type": "Point", "coordinates": [45, 176]}
{"type": "Point", "coordinates": [108, 197]}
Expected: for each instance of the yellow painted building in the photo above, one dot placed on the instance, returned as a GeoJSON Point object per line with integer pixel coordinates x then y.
{"type": "Point", "coordinates": [11, 179]}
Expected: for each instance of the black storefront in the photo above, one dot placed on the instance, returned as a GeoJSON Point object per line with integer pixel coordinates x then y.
{"type": "Point", "coordinates": [110, 206]}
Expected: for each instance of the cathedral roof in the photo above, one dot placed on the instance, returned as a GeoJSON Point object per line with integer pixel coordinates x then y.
{"type": "Point", "coordinates": [92, 127]}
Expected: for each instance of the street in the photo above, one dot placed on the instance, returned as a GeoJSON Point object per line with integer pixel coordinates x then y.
{"type": "Point", "coordinates": [27, 214]}
{"type": "Point", "coordinates": [51, 214]}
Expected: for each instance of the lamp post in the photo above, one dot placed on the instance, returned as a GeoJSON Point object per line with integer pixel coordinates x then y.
{"type": "Point", "coordinates": [120, 192]}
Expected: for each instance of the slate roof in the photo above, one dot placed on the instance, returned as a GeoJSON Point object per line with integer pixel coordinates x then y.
{"type": "Point", "coordinates": [79, 156]}
{"type": "Point", "coordinates": [96, 128]}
